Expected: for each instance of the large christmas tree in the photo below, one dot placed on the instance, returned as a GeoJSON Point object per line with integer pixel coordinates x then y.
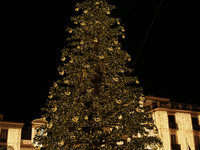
{"type": "Point", "coordinates": [95, 105]}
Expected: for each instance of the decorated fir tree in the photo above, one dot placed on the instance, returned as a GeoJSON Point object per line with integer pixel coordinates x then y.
{"type": "Point", "coordinates": [92, 106]}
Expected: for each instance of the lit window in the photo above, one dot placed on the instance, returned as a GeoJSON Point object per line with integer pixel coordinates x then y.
{"type": "Point", "coordinates": [173, 139]}
{"type": "Point", "coordinates": [195, 123]}
{"type": "Point", "coordinates": [174, 144]}
{"type": "Point", "coordinates": [3, 136]}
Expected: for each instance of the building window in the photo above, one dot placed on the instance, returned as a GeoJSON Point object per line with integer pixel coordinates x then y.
{"type": "Point", "coordinates": [174, 145]}
{"type": "Point", "coordinates": [195, 124]}
{"type": "Point", "coordinates": [197, 143]}
{"type": "Point", "coordinates": [172, 123]}
{"type": "Point", "coordinates": [3, 136]}
{"type": "Point", "coordinates": [173, 139]}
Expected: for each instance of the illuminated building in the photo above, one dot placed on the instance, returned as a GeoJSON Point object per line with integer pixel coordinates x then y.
{"type": "Point", "coordinates": [10, 134]}
{"type": "Point", "coordinates": [178, 123]}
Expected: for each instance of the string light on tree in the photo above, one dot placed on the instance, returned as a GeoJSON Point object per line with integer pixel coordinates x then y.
{"type": "Point", "coordinates": [94, 104]}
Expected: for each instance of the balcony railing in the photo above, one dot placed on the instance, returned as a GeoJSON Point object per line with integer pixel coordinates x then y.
{"type": "Point", "coordinates": [176, 147]}
{"type": "Point", "coordinates": [174, 105]}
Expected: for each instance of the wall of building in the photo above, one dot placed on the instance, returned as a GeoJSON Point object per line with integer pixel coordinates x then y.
{"type": "Point", "coordinates": [185, 131]}
{"type": "Point", "coordinates": [14, 138]}
{"type": "Point", "coordinates": [161, 121]}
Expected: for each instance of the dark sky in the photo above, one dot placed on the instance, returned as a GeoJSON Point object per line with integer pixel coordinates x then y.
{"type": "Point", "coordinates": [33, 34]}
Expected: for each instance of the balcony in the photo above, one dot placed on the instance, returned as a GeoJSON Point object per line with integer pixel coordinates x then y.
{"type": "Point", "coordinates": [175, 146]}
{"type": "Point", "coordinates": [174, 105]}
{"type": "Point", "coordinates": [173, 125]}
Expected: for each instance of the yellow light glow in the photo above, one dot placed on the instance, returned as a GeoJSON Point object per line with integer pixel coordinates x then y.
{"type": "Point", "coordinates": [14, 138]}
{"type": "Point", "coordinates": [185, 130]}
{"type": "Point", "coordinates": [33, 134]}
{"type": "Point", "coordinates": [161, 121]}
{"type": "Point", "coordinates": [199, 119]}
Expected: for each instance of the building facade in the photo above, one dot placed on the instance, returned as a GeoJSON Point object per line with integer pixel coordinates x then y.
{"type": "Point", "coordinates": [10, 134]}
{"type": "Point", "coordinates": [177, 123]}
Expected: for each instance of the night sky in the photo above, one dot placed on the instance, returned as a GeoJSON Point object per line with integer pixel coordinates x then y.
{"type": "Point", "coordinates": [33, 34]}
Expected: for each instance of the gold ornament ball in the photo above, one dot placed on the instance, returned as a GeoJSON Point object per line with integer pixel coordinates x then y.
{"type": "Point", "coordinates": [66, 81]}
{"type": "Point", "coordinates": [54, 109]}
{"type": "Point", "coordinates": [63, 58]}
{"type": "Point", "coordinates": [116, 79]}
{"type": "Point", "coordinates": [86, 117]}
{"type": "Point", "coordinates": [101, 57]}
{"type": "Point", "coordinates": [122, 71]}
{"type": "Point", "coordinates": [124, 136]}
{"type": "Point", "coordinates": [97, 119]}
{"type": "Point", "coordinates": [120, 143]}
{"type": "Point", "coordinates": [50, 96]}
{"type": "Point", "coordinates": [137, 109]}
{"type": "Point", "coordinates": [82, 23]}
{"type": "Point", "coordinates": [123, 36]}
{"type": "Point", "coordinates": [73, 137]}
{"type": "Point", "coordinates": [61, 143]}
{"type": "Point", "coordinates": [118, 22]}
{"type": "Point", "coordinates": [75, 22]}
{"type": "Point", "coordinates": [49, 125]}
{"type": "Point", "coordinates": [75, 119]}
{"type": "Point", "coordinates": [89, 90]}
{"type": "Point", "coordinates": [85, 11]}
{"type": "Point", "coordinates": [110, 49]}
{"type": "Point", "coordinates": [128, 139]}
{"type": "Point", "coordinates": [62, 73]}
{"type": "Point", "coordinates": [95, 40]}
{"type": "Point", "coordinates": [67, 93]}
{"type": "Point", "coordinates": [81, 42]}
{"type": "Point", "coordinates": [137, 82]}
{"type": "Point", "coordinates": [142, 98]}
{"type": "Point", "coordinates": [76, 9]}
{"type": "Point", "coordinates": [55, 84]}
{"type": "Point", "coordinates": [118, 101]}
{"type": "Point", "coordinates": [70, 31]}
{"type": "Point", "coordinates": [108, 12]}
